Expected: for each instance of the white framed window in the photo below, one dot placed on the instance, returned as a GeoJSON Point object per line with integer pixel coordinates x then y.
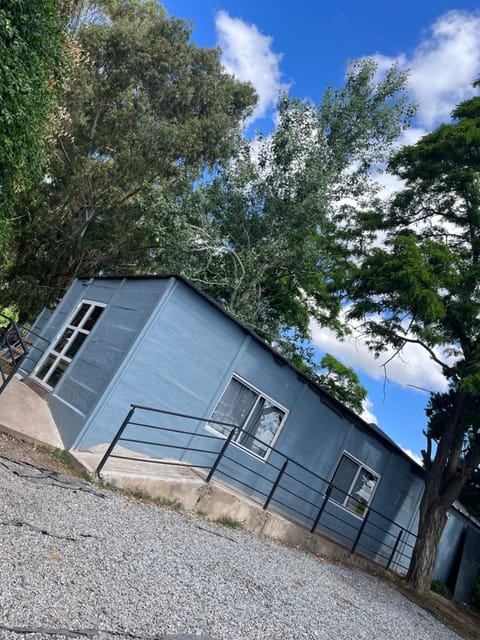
{"type": "Point", "coordinates": [353, 485]}
{"type": "Point", "coordinates": [65, 346]}
{"type": "Point", "coordinates": [260, 418]}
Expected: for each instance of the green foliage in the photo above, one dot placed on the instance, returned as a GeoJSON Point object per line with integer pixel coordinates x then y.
{"type": "Point", "coordinates": [342, 382]}
{"type": "Point", "coordinates": [441, 588]}
{"type": "Point", "coordinates": [142, 496]}
{"type": "Point", "coordinates": [31, 41]}
{"type": "Point", "coordinates": [476, 595]}
{"type": "Point", "coordinates": [230, 523]}
{"type": "Point", "coordinates": [266, 237]}
{"type": "Point", "coordinates": [470, 495]}
{"type": "Point", "coordinates": [423, 287]}
{"type": "Point", "coordinates": [147, 111]}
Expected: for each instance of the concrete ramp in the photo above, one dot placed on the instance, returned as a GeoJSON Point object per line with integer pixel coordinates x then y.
{"type": "Point", "coordinates": [25, 414]}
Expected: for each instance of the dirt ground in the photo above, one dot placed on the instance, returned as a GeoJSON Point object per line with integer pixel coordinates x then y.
{"type": "Point", "coordinates": [459, 617]}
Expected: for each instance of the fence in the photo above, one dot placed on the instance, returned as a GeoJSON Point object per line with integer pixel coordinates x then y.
{"type": "Point", "coordinates": [15, 341]}
{"type": "Point", "coordinates": [279, 481]}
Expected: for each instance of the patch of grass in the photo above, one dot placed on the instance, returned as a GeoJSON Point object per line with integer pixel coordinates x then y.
{"type": "Point", "coordinates": [142, 496]}
{"type": "Point", "coordinates": [231, 523]}
{"type": "Point", "coordinates": [202, 514]}
{"type": "Point", "coordinates": [476, 597]}
{"type": "Point", "coordinates": [441, 588]}
{"type": "Point", "coordinates": [62, 456]}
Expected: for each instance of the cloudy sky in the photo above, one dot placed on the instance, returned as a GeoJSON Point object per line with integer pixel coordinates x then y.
{"type": "Point", "coordinates": [302, 47]}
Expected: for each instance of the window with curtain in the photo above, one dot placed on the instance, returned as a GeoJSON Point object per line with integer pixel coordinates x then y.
{"type": "Point", "coordinates": [353, 485]}
{"type": "Point", "coordinates": [259, 417]}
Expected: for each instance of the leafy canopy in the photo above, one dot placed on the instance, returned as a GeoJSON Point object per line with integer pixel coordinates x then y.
{"type": "Point", "coordinates": [31, 43]}
{"type": "Point", "coordinates": [423, 286]}
{"type": "Point", "coordinates": [146, 110]}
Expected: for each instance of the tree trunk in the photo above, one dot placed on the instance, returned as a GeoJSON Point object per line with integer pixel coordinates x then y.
{"type": "Point", "coordinates": [432, 522]}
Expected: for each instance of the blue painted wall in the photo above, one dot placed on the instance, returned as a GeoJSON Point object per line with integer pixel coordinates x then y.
{"type": "Point", "coordinates": [129, 305]}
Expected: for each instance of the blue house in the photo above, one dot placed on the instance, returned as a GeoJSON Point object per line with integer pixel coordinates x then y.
{"type": "Point", "coordinates": [157, 342]}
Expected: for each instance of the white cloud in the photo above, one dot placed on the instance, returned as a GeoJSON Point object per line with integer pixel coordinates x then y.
{"type": "Point", "coordinates": [413, 456]}
{"type": "Point", "coordinates": [367, 413]}
{"type": "Point", "coordinates": [412, 368]}
{"type": "Point", "coordinates": [247, 55]}
{"type": "Point", "coordinates": [443, 65]}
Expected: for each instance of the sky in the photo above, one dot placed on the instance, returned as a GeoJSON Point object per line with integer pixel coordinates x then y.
{"type": "Point", "coordinates": [300, 48]}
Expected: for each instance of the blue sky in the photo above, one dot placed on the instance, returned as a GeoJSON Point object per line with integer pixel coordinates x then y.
{"type": "Point", "coordinates": [301, 47]}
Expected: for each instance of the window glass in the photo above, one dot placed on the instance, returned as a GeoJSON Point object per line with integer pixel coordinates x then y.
{"type": "Point", "coordinates": [75, 344]}
{"type": "Point", "coordinates": [78, 317]}
{"type": "Point", "coordinates": [71, 339]}
{"type": "Point", "coordinates": [361, 492]}
{"type": "Point", "coordinates": [258, 417]}
{"type": "Point", "coordinates": [92, 318]}
{"type": "Point", "coordinates": [234, 406]}
{"type": "Point", "coordinates": [353, 485]}
{"type": "Point", "coordinates": [42, 372]}
{"type": "Point", "coordinates": [57, 372]}
{"type": "Point", "coordinates": [343, 479]}
{"type": "Point", "coordinates": [63, 340]}
{"type": "Point", "coordinates": [263, 424]}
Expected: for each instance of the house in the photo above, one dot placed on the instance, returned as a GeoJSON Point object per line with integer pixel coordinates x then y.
{"type": "Point", "coordinates": [158, 342]}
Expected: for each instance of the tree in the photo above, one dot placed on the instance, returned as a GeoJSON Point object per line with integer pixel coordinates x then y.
{"type": "Point", "coordinates": [423, 287]}
{"type": "Point", "coordinates": [470, 494]}
{"type": "Point", "coordinates": [31, 45]}
{"type": "Point", "coordinates": [266, 236]}
{"type": "Point", "coordinates": [147, 110]}
{"type": "Point", "coordinates": [342, 383]}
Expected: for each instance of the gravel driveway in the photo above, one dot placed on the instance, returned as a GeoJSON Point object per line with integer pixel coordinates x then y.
{"type": "Point", "coordinates": [80, 563]}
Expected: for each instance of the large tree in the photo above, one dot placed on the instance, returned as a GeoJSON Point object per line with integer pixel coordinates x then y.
{"type": "Point", "coordinates": [265, 237]}
{"type": "Point", "coordinates": [423, 287]}
{"type": "Point", "coordinates": [146, 109]}
{"type": "Point", "coordinates": [31, 62]}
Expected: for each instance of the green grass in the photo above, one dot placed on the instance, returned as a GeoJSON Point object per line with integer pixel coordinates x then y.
{"type": "Point", "coordinates": [142, 496]}
{"type": "Point", "coordinates": [441, 588]}
{"type": "Point", "coordinates": [65, 458]}
{"type": "Point", "coordinates": [231, 523]}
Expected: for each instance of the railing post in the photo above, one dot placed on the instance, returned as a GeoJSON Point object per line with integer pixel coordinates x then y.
{"type": "Point", "coordinates": [221, 454]}
{"type": "Point", "coordinates": [275, 485]}
{"type": "Point", "coordinates": [394, 550]}
{"type": "Point", "coordinates": [114, 441]}
{"type": "Point", "coordinates": [360, 531]}
{"type": "Point", "coordinates": [320, 511]}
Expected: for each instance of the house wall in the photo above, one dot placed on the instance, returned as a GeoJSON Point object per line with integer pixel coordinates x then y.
{"type": "Point", "coordinates": [129, 305]}
{"type": "Point", "coordinates": [458, 557]}
{"type": "Point", "coordinates": [183, 362]}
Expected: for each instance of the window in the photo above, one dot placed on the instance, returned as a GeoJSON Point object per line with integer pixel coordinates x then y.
{"type": "Point", "coordinates": [257, 415]}
{"type": "Point", "coordinates": [56, 362]}
{"type": "Point", "coordinates": [353, 485]}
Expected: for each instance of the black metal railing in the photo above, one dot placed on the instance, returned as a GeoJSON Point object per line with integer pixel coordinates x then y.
{"type": "Point", "coordinates": [278, 481]}
{"type": "Point", "coordinates": [13, 348]}
{"type": "Point", "coordinates": [15, 343]}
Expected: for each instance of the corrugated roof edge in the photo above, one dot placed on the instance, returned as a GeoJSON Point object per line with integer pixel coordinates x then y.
{"type": "Point", "coordinates": [334, 404]}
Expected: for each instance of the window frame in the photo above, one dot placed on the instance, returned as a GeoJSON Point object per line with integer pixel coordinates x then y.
{"type": "Point", "coordinates": [60, 356]}
{"type": "Point", "coordinates": [260, 395]}
{"type": "Point", "coordinates": [361, 465]}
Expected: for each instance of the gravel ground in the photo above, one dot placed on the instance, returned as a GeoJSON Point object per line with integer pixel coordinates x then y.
{"type": "Point", "coordinates": [77, 562]}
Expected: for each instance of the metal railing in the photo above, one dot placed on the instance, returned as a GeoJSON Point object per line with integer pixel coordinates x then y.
{"type": "Point", "coordinates": [13, 348]}
{"type": "Point", "coordinates": [295, 490]}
